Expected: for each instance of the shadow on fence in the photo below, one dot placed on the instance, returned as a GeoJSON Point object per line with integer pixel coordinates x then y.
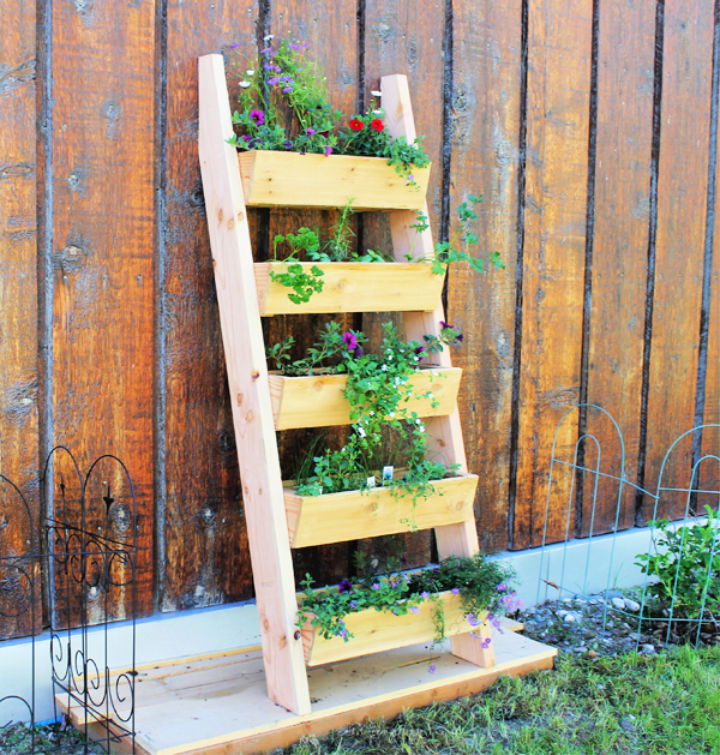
{"type": "Point", "coordinates": [677, 573]}
{"type": "Point", "coordinates": [86, 563]}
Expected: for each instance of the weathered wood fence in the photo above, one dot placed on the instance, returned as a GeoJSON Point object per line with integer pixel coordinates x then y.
{"type": "Point", "coordinates": [589, 126]}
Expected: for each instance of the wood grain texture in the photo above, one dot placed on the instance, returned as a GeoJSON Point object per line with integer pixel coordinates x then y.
{"type": "Point", "coordinates": [559, 41]}
{"type": "Point", "coordinates": [682, 186]}
{"type": "Point", "coordinates": [484, 161]}
{"type": "Point", "coordinates": [103, 225]}
{"type": "Point", "coordinates": [205, 538]}
{"type": "Point", "coordinates": [399, 39]}
{"type": "Point", "coordinates": [619, 261]}
{"type": "Point", "coordinates": [332, 36]}
{"type": "Point", "coordinates": [18, 286]}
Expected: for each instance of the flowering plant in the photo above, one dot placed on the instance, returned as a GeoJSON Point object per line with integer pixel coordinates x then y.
{"type": "Point", "coordinates": [284, 105]}
{"type": "Point", "coordinates": [385, 432]}
{"type": "Point", "coordinates": [483, 586]}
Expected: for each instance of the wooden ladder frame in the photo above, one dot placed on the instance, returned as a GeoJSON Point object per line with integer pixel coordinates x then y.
{"type": "Point", "coordinates": [274, 580]}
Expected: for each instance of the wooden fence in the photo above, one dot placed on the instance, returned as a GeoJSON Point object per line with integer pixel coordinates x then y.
{"type": "Point", "coordinates": [590, 127]}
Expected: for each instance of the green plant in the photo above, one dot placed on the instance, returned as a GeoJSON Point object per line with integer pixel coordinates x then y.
{"type": "Point", "coordinates": [303, 281]}
{"type": "Point", "coordinates": [385, 432]}
{"type": "Point", "coordinates": [685, 564]}
{"type": "Point", "coordinates": [482, 584]}
{"type": "Point", "coordinates": [458, 247]}
{"type": "Point", "coordinates": [284, 106]}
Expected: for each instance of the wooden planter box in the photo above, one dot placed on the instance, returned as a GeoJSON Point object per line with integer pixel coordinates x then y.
{"type": "Point", "coordinates": [318, 401]}
{"type": "Point", "coordinates": [353, 515]}
{"type": "Point", "coordinates": [289, 179]}
{"type": "Point", "coordinates": [354, 287]}
{"type": "Point", "coordinates": [376, 631]}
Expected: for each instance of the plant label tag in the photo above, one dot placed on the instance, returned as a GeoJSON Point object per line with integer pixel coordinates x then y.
{"type": "Point", "coordinates": [371, 481]}
{"type": "Point", "coordinates": [387, 474]}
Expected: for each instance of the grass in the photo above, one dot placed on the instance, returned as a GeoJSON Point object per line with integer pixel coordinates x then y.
{"type": "Point", "coordinates": [632, 703]}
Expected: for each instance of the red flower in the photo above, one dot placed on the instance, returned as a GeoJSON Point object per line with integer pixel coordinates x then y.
{"type": "Point", "coordinates": [377, 124]}
{"type": "Point", "coordinates": [356, 124]}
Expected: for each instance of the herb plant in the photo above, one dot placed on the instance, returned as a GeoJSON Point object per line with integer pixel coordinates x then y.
{"type": "Point", "coordinates": [483, 585]}
{"type": "Point", "coordinates": [685, 565]}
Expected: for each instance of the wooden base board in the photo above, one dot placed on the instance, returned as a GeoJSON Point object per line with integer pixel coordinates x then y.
{"type": "Point", "coordinates": [217, 703]}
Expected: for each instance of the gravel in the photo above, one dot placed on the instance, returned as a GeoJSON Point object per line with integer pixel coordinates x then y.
{"type": "Point", "coordinates": [608, 624]}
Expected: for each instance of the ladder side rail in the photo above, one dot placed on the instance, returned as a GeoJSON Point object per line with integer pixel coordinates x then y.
{"type": "Point", "coordinates": [273, 575]}
{"type": "Point", "coordinates": [445, 440]}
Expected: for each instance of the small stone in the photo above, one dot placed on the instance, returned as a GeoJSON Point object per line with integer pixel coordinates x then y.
{"type": "Point", "coordinates": [593, 654]}
{"type": "Point", "coordinates": [561, 614]}
{"type": "Point", "coordinates": [569, 618]}
{"type": "Point", "coordinates": [618, 603]}
{"type": "Point", "coordinates": [626, 723]}
{"type": "Point", "coordinates": [610, 624]}
{"type": "Point", "coordinates": [648, 649]}
{"type": "Point", "coordinates": [632, 605]}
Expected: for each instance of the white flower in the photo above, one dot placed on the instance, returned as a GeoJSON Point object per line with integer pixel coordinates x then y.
{"type": "Point", "coordinates": [244, 84]}
{"type": "Point", "coordinates": [376, 93]}
{"type": "Point", "coordinates": [268, 37]}
{"type": "Point", "coordinates": [250, 72]}
{"type": "Point", "coordinates": [384, 368]}
{"type": "Point", "coordinates": [377, 112]}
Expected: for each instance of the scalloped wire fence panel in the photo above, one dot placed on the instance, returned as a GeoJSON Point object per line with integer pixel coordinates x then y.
{"type": "Point", "coordinates": [88, 567]}
{"type": "Point", "coordinates": [670, 570]}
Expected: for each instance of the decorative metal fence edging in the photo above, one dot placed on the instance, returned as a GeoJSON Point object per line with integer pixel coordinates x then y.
{"type": "Point", "coordinates": [669, 627]}
{"type": "Point", "coordinates": [87, 565]}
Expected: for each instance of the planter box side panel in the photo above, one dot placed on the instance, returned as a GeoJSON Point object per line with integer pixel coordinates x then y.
{"type": "Point", "coordinates": [354, 287]}
{"type": "Point", "coordinates": [289, 179]}
{"type": "Point", "coordinates": [376, 631]}
{"type": "Point", "coordinates": [338, 517]}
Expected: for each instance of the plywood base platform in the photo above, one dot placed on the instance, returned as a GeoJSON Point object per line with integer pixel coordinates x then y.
{"type": "Point", "coordinates": [217, 703]}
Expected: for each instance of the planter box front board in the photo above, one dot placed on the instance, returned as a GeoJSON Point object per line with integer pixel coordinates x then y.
{"type": "Point", "coordinates": [354, 287]}
{"type": "Point", "coordinates": [337, 517]}
{"type": "Point", "coordinates": [289, 179]}
{"type": "Point", "coordinates": [318, 401]}
{"type": "Point", "coordinates": [376, 631]}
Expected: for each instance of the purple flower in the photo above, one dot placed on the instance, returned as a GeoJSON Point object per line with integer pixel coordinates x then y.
{"type": "Point", "coordinates": [350, 340]}
{"type": "Point", "coordinates": [345, 585]}
{"type": "Point", "coordinates": [273, 80]}
{"type": "Point", "coordinates": [234, 45]}
{"type": "Point", "coordinates": [420, 351]}
{"type": "Point", "coordinates": [352, 604]}
{"type": "Point", "coordinates": [410, 177]}
{"type": "Point", "coordinates": [432, 668]}
{"type": "Point", "coordinates": [328, 150]}
{"type": "Point", "coordinates": [268, 51]}
{"type": "Point", "coordinates": [444, 324]}
{"type": "Point", "coordinates": [246, 138]}
{"type": "Point", "coordinates": [287, 144]}
{"type": "Point", "coordinates": [309, 130]}
{"type": "Point", "coordinates": [287, 89]}
{"type": "Point", "coordinates": [459, 337]}
{"type": "Point", "coordinates": [258, 116]}
{"type": "Point", "coordinates": [414, 609]}
{"type": "Point", "coordinates": [268, 66]}
{"type": "Point", "coordinates": [472, 620]}
{"type": "Point", "coordinates": [501, 587]}
{"type": "Point", "coordinates": [376, 586]}
{"type": "Point", "coordinates": [298, 45]}
{"type": "Point", "coordinates": [455, 591]}
{"type": "Point", "coordinates": [424, 595]}
{"type": "Point", "coordinates": [485, 644]}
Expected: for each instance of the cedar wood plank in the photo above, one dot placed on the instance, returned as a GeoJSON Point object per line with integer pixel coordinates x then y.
{"type": "Point", "coordinates": [559, 41]}
{"type": "Point", "coordinates": [18, 290]}
{"type": "Point", "coordinates": [204, 529]}
{"type": "Point", "coordinates": [103, 224]}
{"type": "Point", "coordinates": [682, 186]}
{"type": "Point", "coordinates": [619, 262]}
{"type": "Point", "coordinates": [484, 161]}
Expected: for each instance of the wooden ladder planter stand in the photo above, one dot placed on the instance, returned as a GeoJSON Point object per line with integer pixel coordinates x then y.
{"type": "Point", "coordinates": [253, 699]}
{"type": "Point", "coordinates": [262, 403]}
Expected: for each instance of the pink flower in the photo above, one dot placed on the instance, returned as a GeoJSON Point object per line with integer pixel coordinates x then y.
{"type": "Point", "coordinates": [258, 116]}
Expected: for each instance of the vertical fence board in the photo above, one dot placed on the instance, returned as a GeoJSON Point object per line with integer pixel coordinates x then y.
{"type": "Point", "coordinates": [619, 261]}
{"type": "Point", "coordinates": [398, 39]}
{"type": "Point", "coordinates": [333, 42]}
{"type": "Point", "coordinates": [484, 138]}
{"type": "Point", "coordinates": [18, 283]}
{"type": "Point", "coordinates": [102, 69]}
{"type": "Point", "coordinates": [682, 186]}
{"type": "Point", "coordinates": [205, 540]}
{"type": "Point", "coordinates": [559, 42]}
